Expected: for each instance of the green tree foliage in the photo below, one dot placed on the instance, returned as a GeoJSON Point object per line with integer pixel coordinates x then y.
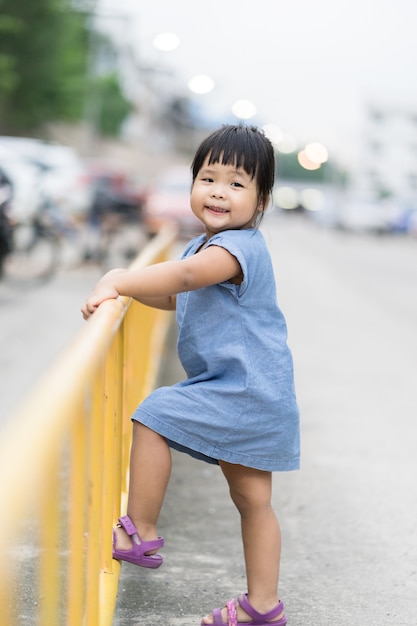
{"type": "Point", "coordinates": [112, 108]}
{"type": "Point", "coordinates": [10, 27]}
{"type": "Point", "coordinates": [43, 56]}
{"type": "Point", "coordinates": [288, 168]}
{"type": "Point", "coordinates": [105, 107]}
{"type": "Point", "coordinates": [45, 59]}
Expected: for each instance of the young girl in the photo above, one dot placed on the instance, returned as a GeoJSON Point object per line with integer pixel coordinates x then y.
{"type": "Point", "coordinates": [237, 407]}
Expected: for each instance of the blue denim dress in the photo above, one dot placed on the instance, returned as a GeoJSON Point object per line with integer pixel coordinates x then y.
{"type": "Point", "coordinates": [237, 403]}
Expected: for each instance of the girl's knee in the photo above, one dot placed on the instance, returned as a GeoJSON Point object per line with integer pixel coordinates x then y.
{"type": "Point", "coordinates": [250, 502]}
{"type": "Point", "coordinates": [250, 490]}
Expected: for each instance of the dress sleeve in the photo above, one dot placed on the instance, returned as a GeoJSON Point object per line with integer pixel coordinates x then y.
{"type": "Point", "coordinates": [238, 244]}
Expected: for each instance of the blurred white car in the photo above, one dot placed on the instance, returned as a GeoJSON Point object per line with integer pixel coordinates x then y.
{"type": "Point", "coordinates": [62, 174]}
{"type": "Point", "coordinates": [64, 180]}
{"type": "Point", "coordinates": [362, 214]}
{"type": "Point", "coordinates": [24, 176]}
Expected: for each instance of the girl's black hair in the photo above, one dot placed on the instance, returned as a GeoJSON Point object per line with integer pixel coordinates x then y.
{"type": "Point", "coordinates": [242, 146]}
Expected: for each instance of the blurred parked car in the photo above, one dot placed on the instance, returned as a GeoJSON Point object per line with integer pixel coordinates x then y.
{"type": "Point", "coordinates": [113, 192]}
{"type": "Point", "coordinates": [64, 179]}
{"type": "Point", "coordinates": [61, 172]}
{"type": "Point", "coordinates": [24, 176]}
{"type": "Point", "coordinates": [412, 223]}
{"type": "Point", "coordinates": [405, 220]}
{"type": "Point", "coordinates": [364, 214]}
{"type": "Point", "coordinates": [167, 199]}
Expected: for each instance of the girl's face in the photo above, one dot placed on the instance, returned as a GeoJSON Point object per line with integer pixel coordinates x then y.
{"type": "Point", "coordinates": [224, 198]}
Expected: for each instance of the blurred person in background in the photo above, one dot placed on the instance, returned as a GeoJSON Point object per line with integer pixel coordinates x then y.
{"type": "Point", "coordinates": [6, 194]}
{"type": "Point", "coordinates": [114, 204]}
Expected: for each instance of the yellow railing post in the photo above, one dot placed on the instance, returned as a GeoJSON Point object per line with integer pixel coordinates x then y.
{"type": "Point", "coordinates": [76, 524]}
{"type": "Point", "coordinates": [67, 447]}
{"type": "Point", "coordinates": [50, 525]}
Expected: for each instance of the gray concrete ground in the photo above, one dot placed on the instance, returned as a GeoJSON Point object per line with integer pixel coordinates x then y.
{"type": "Point", "coordinates": [349, 515]}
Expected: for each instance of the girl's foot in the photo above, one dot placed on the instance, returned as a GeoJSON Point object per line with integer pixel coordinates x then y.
{"type": "Point", "coordinates": [129, 546]}
{"type": "Point", "coordinates": [124, 542]}
{"type": "Point", "coordinates": [246, 613]}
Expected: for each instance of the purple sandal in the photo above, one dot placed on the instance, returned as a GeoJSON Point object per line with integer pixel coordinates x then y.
{"type": "Point", "coordinates": [136, 554]}
{"type": "Point", "coordinates": [258, 619]}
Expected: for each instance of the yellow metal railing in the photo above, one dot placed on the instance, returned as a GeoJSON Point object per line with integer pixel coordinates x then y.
{"type": "Point", "coordinates": [64, 466]}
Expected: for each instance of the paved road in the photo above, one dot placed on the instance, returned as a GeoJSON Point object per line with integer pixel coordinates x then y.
{"type": "Point", "coordinates": [349, 516]}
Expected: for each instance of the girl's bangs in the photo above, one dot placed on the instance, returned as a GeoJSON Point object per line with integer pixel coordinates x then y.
{"type": "Point", "coordinates": [233, 152]}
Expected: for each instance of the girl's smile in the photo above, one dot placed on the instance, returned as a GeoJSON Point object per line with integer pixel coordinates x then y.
{"type": "Point", "coordinates": [216, 209]}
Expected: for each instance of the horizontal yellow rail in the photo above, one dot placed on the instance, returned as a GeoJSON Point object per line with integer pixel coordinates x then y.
{"type": "Point", "coordinates": [64, 465]}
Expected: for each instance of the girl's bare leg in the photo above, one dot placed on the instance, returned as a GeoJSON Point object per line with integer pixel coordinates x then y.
{"type": "Point", "coordinates": [251, 492]}
{"type": "Point", "coordinates": [150, 469]}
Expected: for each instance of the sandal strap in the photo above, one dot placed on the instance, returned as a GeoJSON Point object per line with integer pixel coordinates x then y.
{"type": "Point", "coordinates": [259, 617]}
{"type": "Point", "coordinates": [217, 616]}
{"type": "Point", "coordinates": [127, 524]}
{"type": "Point", "coordinates": [231, 613]}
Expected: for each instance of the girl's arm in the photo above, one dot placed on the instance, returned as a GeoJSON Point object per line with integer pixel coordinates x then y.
{"type": "Point", "coordinates": [157, 285]}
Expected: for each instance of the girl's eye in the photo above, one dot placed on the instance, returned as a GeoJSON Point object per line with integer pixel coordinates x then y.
{"type": "Point", "coordinates": [206, 179]}
{"type": "Point", "coordinates": [236, 184]}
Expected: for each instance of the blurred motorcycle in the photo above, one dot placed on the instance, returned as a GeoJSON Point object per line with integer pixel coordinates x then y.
{"type": "Point", "coordinates": [6, 192]}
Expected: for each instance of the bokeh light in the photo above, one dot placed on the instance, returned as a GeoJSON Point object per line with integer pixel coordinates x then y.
{"type": "Point", "coordinates": [244, 109]}
{"type": "Point", "coordinates": [273, 132]}
{"type": "Point", "coordinates": [201, 84]}
{"type": "Point", "coordinates": [287, 144]}
{"type": "Point", "coordinates": [305, 162]}
{"type": "Point", "coordinates": [167, 42]}
{"type": "Point", "coordinates": [316, 152]}
{"type": "Point", "coordinates": [286, 197]}
{"type": "Point", "coordinates": [312, 199]}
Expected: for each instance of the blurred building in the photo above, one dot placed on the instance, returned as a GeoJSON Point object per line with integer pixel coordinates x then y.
{"type": "Point", "coordinates": [388, 157]}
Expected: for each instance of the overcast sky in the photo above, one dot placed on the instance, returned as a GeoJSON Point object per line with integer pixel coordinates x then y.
{"type": "Point", "coordinates": [309, 66]}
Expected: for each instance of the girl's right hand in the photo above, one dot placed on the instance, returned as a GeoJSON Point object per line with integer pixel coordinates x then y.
{"type": "Point", "coordinates": [99, 294]}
